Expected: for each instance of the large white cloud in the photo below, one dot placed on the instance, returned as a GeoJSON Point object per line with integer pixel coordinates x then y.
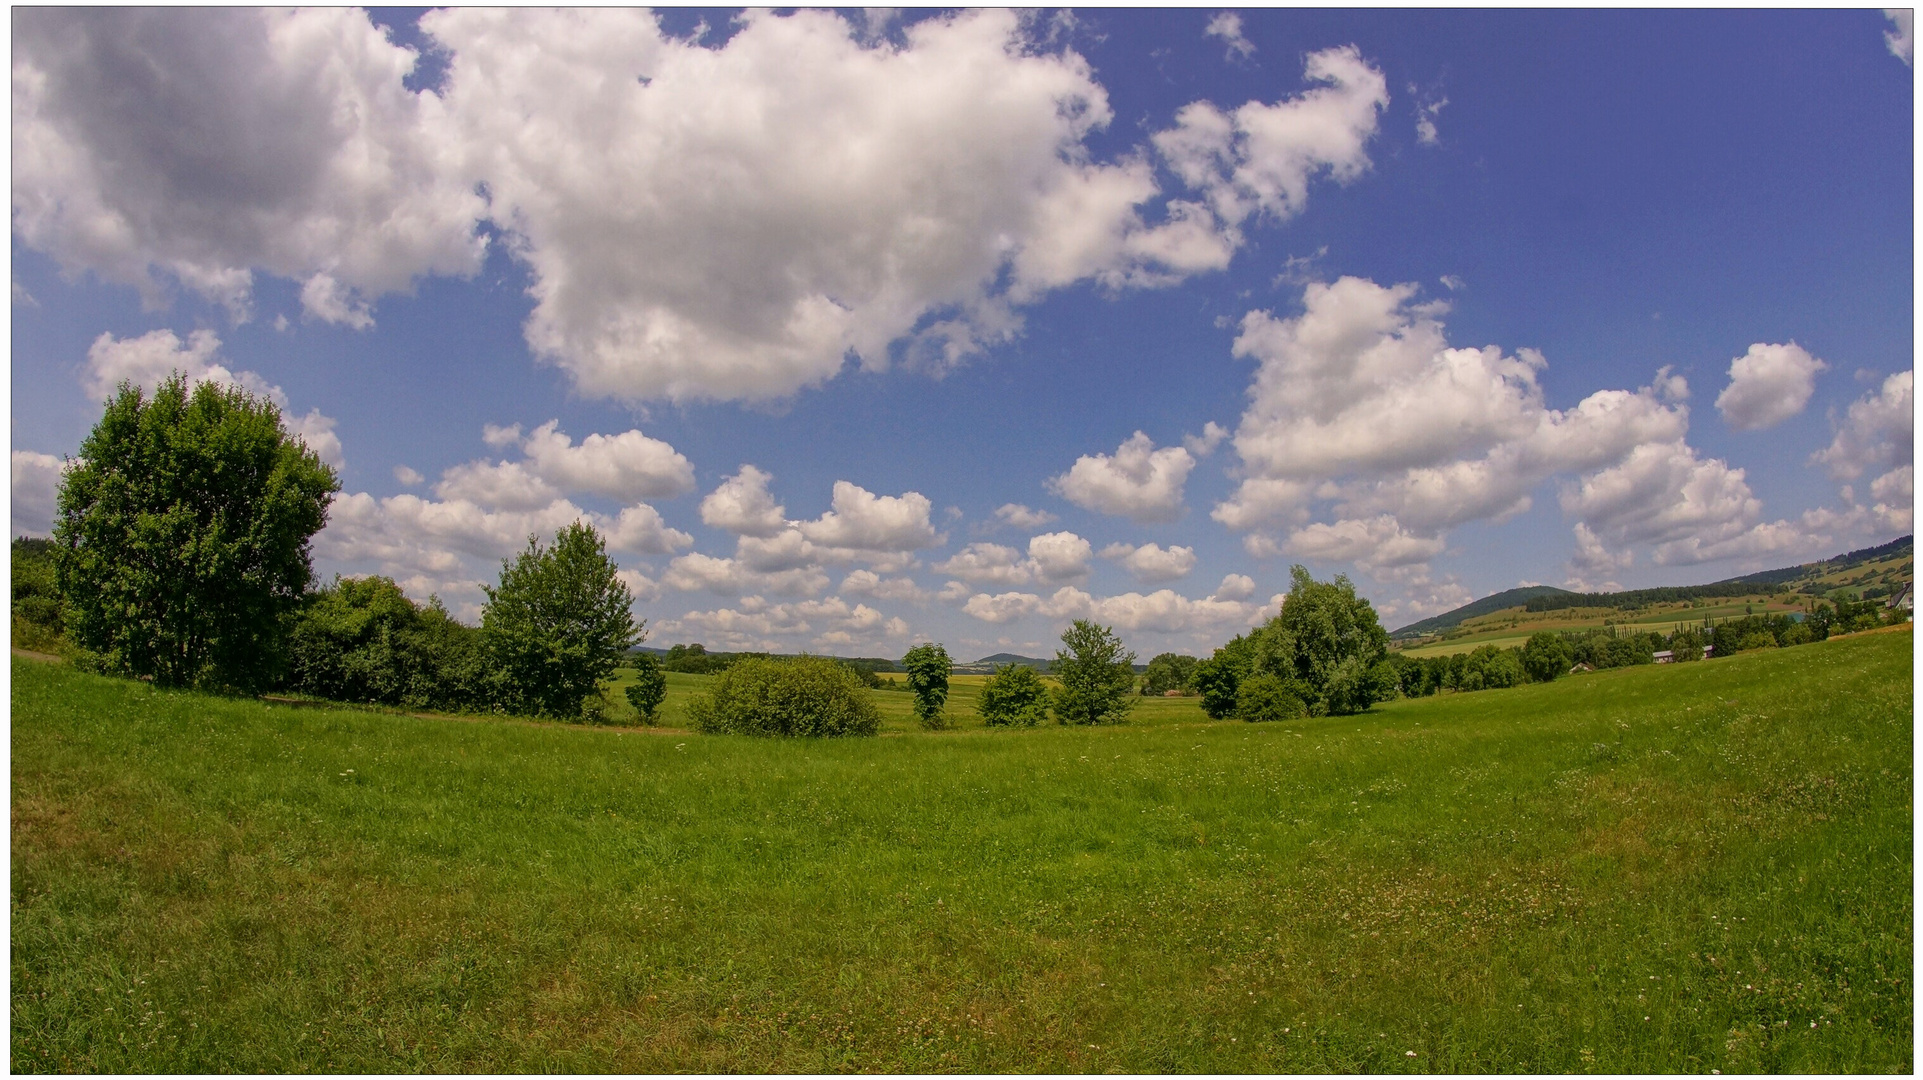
{"type": "Point", "coordinates": [1139, 482]}
{"type": "Point", "coordinates": [1369, 543]}
{"type": "Point", "coordinates": [203, 144]}
{"type": "Point", "coordinates": [1360, 404]}
{"type": "Point", "coordinates": [36, 487]}
{"type": "Point", "coordinates": [986, 564]}
{"type": "Point", "coordinates": [1162, 611]}
{"type": "Point", "coordinates": [627, 468]}
{"type": "Point", "coordinates": [148, 360]}
{"type": "Point", "coordinates": [1878, 432]}
{"type": "Point", "coordinates": [1260, 158]}
{"type": "Point", "coordinates": [1059, 556]}
{"type": "Point", "coordinates": [757, 623]}
{"type": "Point", "coordinates": [863, 521]}
{"type": "Point", "coordinates": [1686, 508]}
{"type": "Point", "coordinates": [742, 505]}
{"type": "Point", "coordinates": [728, 221]}
{"type": "Point", "coordinates": [734, 577]}
{"type": "Point", "coordinates": [1768, 385]}
{"type": "Point", "coordinates": [1152, 563]}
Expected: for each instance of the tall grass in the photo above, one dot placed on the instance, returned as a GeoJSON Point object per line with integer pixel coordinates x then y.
{"type": "Point", "coordinates": [1652, 869]}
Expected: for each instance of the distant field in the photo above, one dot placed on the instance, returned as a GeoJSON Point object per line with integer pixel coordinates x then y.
{"type": "Point", "coordinates": [897, 706]}
{"type": "Point", "coordinates": [1656, 869]}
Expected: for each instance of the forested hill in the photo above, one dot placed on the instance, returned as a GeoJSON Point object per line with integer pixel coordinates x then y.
{"type": "Point", "coordinates": [1547, 598]}
{"type": "Point", "coordinates": [1508, 598]}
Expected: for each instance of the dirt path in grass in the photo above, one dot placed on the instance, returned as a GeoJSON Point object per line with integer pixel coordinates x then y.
{"type": "Point", "coordinates": [42, 657]}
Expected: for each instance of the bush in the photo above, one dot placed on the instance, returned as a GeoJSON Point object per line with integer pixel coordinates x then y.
{"type": "Point", "coordinates": [1097, 676]}
{"type": "Point", "coordinates": [928, 667]}
{"type": "Point", "coordinates": [1219, 678]}
{"type": "Point", "coordinates": [1013, 696]}
{"type": "Point", "coordinates": [1265, 698]}
{"type": "Point", "coordinates": [36, 585]}
{"type": "Point", "coordinates": [649, 688]}
{"type": "Point", "coordinates": [806, 696]}
{"type": "Point", "coordinates": [362, 640]}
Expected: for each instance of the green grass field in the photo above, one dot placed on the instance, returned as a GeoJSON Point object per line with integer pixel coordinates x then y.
{"type": "Point", "coordinates": [1670, 869]}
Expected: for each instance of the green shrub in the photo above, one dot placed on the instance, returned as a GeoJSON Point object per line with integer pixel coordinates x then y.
{"type": "Point", "coordinates": [1265, 698]}
{"type": "Point", "coordinates": [362, 640]}
{"type": "Point", "coordinates": [36, 593]}
{"type": "Point", "coordinates": [810, 696]}
{"type": "Point", "coordinates": [1013, 697]}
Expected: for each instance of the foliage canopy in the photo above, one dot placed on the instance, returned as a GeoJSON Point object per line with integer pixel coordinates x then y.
{"type": "Point", "coordinates": [928, 667]}
{"type": "Point", "coordinates": [1097, 676]}
{"type": "Point", "coordinates": [558, 623]}
{"type": "Point", "coordinates": [183, 534]}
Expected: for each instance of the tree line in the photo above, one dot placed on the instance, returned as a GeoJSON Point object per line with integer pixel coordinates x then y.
{"type": "Point", "coordinates": [181, 555]}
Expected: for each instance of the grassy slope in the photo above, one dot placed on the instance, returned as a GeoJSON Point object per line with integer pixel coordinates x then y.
{"type": "Point", "coordinates": [1654, 869]}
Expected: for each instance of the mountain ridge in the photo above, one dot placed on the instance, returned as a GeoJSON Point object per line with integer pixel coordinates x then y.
{"type": "Point", "coordinates": [1727, 586]}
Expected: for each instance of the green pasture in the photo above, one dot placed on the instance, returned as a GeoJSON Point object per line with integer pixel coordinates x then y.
{"type": "Point", "coordinates": [1668, 868]}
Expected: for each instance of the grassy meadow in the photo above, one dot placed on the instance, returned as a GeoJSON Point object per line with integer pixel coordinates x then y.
{"type": "Point", "coordinates": [1652, 869]}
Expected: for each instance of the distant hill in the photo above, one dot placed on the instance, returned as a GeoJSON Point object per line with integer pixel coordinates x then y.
{"type": "Point", "coordinates": [1546, 598]}
{"type": "Point", "coordinates": [1506, 599]}
{"type": "Point", "coordinates": [1900, 546]}
{"type": "Point", "coordinates": [988, 664]}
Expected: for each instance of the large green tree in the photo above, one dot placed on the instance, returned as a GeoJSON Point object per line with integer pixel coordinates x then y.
{"type": "Point", "coordinates": [1097, 676]}
{"type": "Point", "coordinates": [184, 534]}
{"type": "Point", "coordinates": [559, 622]}
{"type": "Point", "coordinates": [1326, 647]}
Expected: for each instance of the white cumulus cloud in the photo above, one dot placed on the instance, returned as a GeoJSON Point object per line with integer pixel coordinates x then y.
{"type": "Point", "coordinates": [1059, 556]}
{"type": "Point", "coordinates": [198, 145]}
{"type": "Point", "coordinates": [626, 468]}
{"type": "Point", "coordinates": [742, 505]}
{"type": "Point", "coordinates": [1878, 432]}
{"type": "Point", "coordinates": [1152, 563]}
{"type": "Point", "coordinates": [1139, 482]}
{"type": "Point", "coordinates": [1227, 25]}
{"type": "Point", "coordinates": [36, 487]}
{"type": "Point", "coordinates": [1360, 404]}
{"type": "Point", "coordinates": [1021, 517]}
{"type": "Point", "coordinates": [1768, 385]}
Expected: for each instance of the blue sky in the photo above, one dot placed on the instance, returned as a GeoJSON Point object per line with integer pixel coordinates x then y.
{"type": "Point", "coordinates": [851, 331]}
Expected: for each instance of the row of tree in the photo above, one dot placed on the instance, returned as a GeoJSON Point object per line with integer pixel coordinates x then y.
{"type": "Point", "coordinates": [181, 555]}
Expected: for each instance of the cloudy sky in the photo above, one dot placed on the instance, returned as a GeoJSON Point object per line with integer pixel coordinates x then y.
{"type": "Point", "coordinates": [851, 330]}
